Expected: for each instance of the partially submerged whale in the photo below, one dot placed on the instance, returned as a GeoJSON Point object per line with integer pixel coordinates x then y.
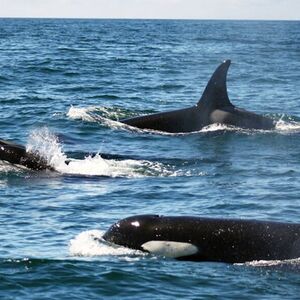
{"type": "Point", "coordinates": [207, 239]}
{"type": "Point", "coordinates": [213, 107]}
{"type": "Point", "coordinates": [17, 155]}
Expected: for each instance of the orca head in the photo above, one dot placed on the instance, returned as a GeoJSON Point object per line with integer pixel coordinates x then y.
{"type": "Point", "coordinates": [150, 233]}
{"type": "Point", "coordinates": [132, 232]}
{"type": "Point", "coordinates": [11, 152]}
{"type": "Point", "coordinates": [17, 154]}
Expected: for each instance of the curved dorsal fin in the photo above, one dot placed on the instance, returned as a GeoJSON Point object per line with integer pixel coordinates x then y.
{"type": "Point", "coordinates": [215, 94]}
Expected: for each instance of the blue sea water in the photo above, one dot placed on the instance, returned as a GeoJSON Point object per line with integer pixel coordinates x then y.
{"type": "Point", "coordinates": [64, 84]}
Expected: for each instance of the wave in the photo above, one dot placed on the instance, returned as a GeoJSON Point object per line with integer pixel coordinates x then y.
{"type": "Point", "coordinates": [98, 166]}
{"type": "Point", "coordinates": [8, 168]}
{"type": "Point", "coordinates": [45, 143]}
{"type": "Point", "coordinates": [77, 113]}
{"type": "Point", "coordinates": [95, 113]}
{"type": "Point", "coordinates": [290, 265]}
{"type": "Point", "coordinates": [90, 243]}
{"type": "Point", "coordinates": [110, 117]}
{"type": "Point", "coordinates": [287, 126]}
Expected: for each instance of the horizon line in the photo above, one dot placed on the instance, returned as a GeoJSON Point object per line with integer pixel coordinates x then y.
{"type": "Point", "coordinates": [145, 19]}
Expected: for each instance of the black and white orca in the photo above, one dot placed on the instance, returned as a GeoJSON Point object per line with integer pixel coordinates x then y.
{"type": "Point", "coordinates": [207, 239]}
{"type": "Point", "coordinates": [213, 107]}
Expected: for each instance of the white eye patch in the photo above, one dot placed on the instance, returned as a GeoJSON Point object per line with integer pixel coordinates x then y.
{"type": "Point", "coordinates": [170, 249]}
{"type": "Point", "coordinates": [135, 224]}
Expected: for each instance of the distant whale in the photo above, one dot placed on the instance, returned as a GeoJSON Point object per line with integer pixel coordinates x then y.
{"type": "Point", "coordinates": [17, 154]}
{"type": "Point", "coordinates": [207, 239]}
{"type": "Point", "coordinates": [213, 107]}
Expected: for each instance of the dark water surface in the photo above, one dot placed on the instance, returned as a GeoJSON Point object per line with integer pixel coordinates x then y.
{"type": "Point", "coordinates": [61, 84]}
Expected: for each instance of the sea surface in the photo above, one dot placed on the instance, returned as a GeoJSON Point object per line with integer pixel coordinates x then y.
{"type": "Point", "coordinates": [64, 84]}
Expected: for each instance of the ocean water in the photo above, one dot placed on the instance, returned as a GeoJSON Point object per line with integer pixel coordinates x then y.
{"type": "Point", "coordinates": [64, 84]}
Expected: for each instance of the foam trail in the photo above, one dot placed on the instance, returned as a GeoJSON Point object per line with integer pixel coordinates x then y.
{"type": "Point", "coordinates": [78, 113]}
{"type": "Point", "coordinates": [271, 263]}
{"type": "Point", "coordinates": [287, 127]}
{"type": "Point", "coordinates": [47, 145]}
{"type": "Point", "coordinates": [106, 117]}
{"type": "Point", "coordinates": [217, 127]}
{"type": "Point", "coordinates": [6, 167]}
{"type": "Point", "coordinates": [90, 243]}
{"type": "Point", "coordinates": [288, 265]}
{"type": "Point", "coordinates": [97, 166]}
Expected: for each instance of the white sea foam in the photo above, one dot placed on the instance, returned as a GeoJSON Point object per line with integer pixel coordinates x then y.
{"type": "Point", "coordinates": [80, 113]}
{"type": "Point", "coordinates": [6, 167]}
{"type": "Point", "coordinates": [47, 145]}
{"type": "Point", "coordinates": [287, 127]}
{"type": "Point", "coordinates": [90, 243]}
{"type": "Point", "coordinates": [273, 263]}
{"type": "Point", "coordinates": [97, 166]}
{"type": "Point", "coordinates": [217, 127]}
{"type": "Point", "coordinates": [281, 126]}
{"type": "Point", "coordinates": [99, 115]}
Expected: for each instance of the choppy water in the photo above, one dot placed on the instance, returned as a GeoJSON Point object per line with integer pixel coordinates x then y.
{"type": "Point", "coordinates": [64, 84]}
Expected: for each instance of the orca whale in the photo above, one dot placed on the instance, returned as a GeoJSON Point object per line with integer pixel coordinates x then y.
{"type": "Point", "coordinates": [207, 239]}
{"type": "Point", "coordinates": [17, 155]}
{"type": "Point", "coordinates": [213, 107]}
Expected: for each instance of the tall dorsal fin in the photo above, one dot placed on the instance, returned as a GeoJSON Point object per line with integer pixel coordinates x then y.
{"type": "Point", "coordinates": [215, 94]}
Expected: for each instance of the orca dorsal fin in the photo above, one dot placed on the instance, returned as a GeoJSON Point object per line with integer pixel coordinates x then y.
{"type": "Point", "coordinates": [215, 94]}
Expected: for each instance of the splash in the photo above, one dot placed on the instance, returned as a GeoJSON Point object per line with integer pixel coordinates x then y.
{"type": "Point", "coordinates": [101, 115]}
{"type": "Point", "coordinates": [290, 126]}
{"type": "Point", "coordinates": [90, 243]}
{"type": "Point", "coordinates": [47, 145]}
{"type": "Point", "coordinates": [77, 113]}
{"type": "Point", "coordinates": [97, 166]}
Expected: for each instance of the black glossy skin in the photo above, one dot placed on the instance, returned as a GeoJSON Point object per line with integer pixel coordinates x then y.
{"type": "Point", "coordinates": [16, 154]}
{"type": "Point", "coordinates": [220, 240]}
{"type": "Point", "coordinates": [213, 107]}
